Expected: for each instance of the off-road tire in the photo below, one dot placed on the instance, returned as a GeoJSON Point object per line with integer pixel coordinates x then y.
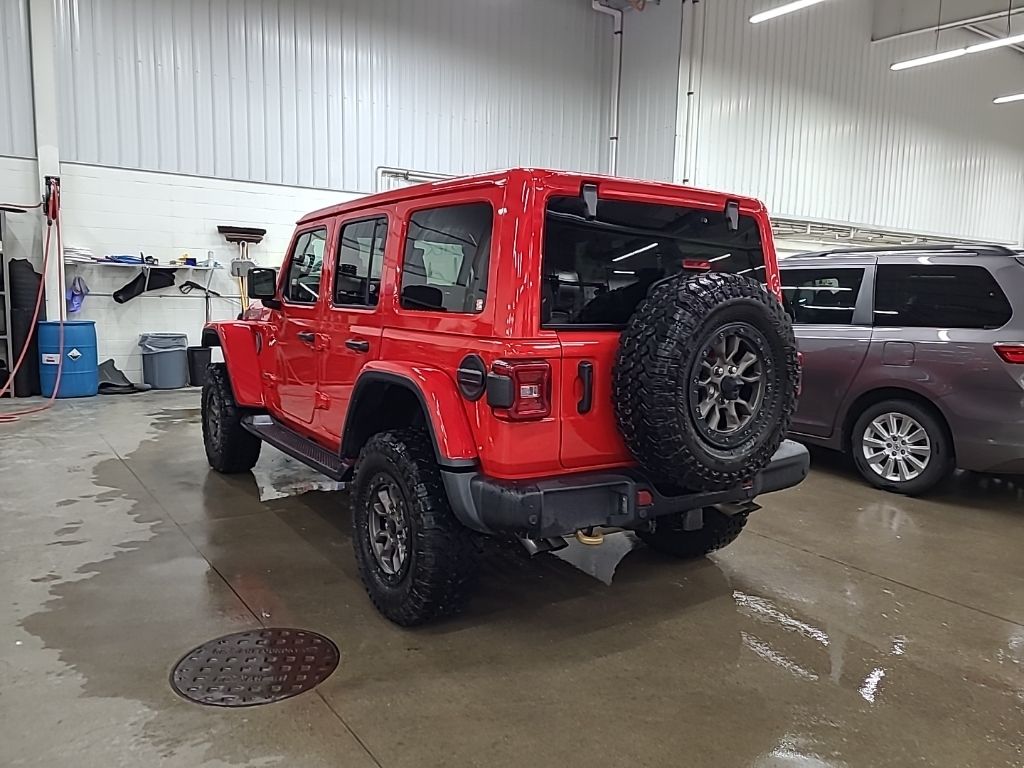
{"type": "Point", "coordinates": [940, 464]}
{"type": "Point", "coordinates": [441, 564]}
{"type": "Point", "coordinates": [669, 537]}
{"type": "Point", "coordinates": [230, 448]}
{"type": "Point", "coordinates": [652, 379]}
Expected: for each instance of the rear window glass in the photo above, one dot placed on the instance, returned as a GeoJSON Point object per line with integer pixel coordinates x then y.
{"type": "Point", "coordinates": [597, 271]}
{"type": "Point", "coordinates": [939, 296]}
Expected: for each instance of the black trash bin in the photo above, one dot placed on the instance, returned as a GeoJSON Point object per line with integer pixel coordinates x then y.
{"type": "Point", "coordinates": [198, 359]}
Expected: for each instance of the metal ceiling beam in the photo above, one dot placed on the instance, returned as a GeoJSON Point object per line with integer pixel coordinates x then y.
{"type": "Point", "coordinates": [902, 18]}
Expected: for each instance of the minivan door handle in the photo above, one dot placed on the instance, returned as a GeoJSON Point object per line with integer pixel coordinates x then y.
{"type": "Point", "coordinates": [358, 345]}
{"type": "Point", "coordinates": [585, 371]}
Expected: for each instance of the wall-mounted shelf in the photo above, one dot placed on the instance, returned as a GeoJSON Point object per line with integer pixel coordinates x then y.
{"type": "Point", "coordinates": [121, 265]}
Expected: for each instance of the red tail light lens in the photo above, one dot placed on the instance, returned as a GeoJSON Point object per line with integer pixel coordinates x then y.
{"type": "Point", "coordinates": [520, 389]}
{"type": "Point", "coordinates": [1011, 353]}
{"type": "Point", "coordinates": [699, 264]}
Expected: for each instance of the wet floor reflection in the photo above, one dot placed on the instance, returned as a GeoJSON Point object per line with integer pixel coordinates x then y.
{"type": "Point", "coordinates": [783, 650]}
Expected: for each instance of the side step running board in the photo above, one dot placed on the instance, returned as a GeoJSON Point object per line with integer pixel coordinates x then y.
{"type": "Point", "coordinates": [295, 445]}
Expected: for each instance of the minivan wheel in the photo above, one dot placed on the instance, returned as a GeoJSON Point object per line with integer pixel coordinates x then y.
{"type": "Point", "coordinates": [415, 559]}
{"type": "Point", "coordinates": [902, 447]}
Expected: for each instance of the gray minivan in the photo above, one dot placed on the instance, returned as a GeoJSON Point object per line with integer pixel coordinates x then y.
{"type": "Point", "coordinates": [913, 359]}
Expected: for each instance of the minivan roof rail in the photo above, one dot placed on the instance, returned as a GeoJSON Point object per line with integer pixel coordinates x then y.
{"type": "Point", "coordinates": [980, 248]}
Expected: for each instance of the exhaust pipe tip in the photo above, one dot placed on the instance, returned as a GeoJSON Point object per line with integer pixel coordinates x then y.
{"type": "Point", "coordinates": [536, 546]}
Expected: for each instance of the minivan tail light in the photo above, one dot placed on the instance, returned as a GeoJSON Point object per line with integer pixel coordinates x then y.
{"type": "Point", "coordinates": [520, 389]}
{"type": "Point", "coordinates": [1011, 353]}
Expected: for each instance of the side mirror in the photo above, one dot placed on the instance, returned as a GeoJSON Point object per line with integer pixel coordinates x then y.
{"type": "Point", "coordinates": [262, 285]}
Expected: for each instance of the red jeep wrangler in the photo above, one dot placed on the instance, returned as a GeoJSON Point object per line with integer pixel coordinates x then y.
{"type": "Point", "coordinates": [528, 354]}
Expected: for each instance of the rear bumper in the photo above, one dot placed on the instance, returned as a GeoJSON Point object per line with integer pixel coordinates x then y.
{"type": "Point", "coordinates": [560, 506]}
{"type": "Point", "coordinates": [994, 448]}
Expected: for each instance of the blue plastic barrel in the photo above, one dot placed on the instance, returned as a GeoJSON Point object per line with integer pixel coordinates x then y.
{"type": "Point", "coordinates": [79, 375]}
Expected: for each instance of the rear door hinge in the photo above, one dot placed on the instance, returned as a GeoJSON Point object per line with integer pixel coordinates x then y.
{"type": "Point", "coordinates": [321, 402]}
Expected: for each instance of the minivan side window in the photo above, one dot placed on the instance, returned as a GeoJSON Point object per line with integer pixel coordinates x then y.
{"type": "Point", "coordinates": [939, 296]}
{"type": "Point", "coordinates": [447, 254]}
{"type": "Point", "coordinates": [360, 254]}
{"type": "Point", "coordinates": [822, 296]}
{"type": "Point", "coordinates": [304, 267]}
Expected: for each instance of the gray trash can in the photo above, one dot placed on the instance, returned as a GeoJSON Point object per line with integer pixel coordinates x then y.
{"type": "Point", "coordinates": [164, 360]}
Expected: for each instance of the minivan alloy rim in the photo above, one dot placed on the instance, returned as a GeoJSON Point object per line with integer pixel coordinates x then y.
{"type": "Point", "coordinates": [896, 447]}
{"type": "Point", "coordinates": [389, 533]}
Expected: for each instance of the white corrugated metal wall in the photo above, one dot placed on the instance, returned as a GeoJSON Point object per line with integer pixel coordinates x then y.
{"type": "Point", "coordinates": [805, 113]}
{"type": "Point", "coordinates": [17, 137]}
{"type": "Point", "coordinates": [648, 107]}
{"type": "Point", "coordinates": [321, 92]}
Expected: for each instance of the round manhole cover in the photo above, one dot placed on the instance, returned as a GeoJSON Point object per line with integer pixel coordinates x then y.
{"type": "Point", "coordinates": [255, 667]}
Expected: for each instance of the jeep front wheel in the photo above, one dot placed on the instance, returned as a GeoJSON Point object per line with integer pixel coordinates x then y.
{"type": "Point", "coordinates": [415, 559]}
{"type": "Point", "coordinates": [230, 448]}
{"type": "Point", "coordinates": [671, 537]}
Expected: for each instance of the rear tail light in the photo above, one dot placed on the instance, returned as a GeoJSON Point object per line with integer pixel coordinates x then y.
{"type": "Point", "coordinates": [698, 264]}
{"type": "Point", "coordinates": [520, 389]}
{"type": "Point", "coordinates": [1011, 353]}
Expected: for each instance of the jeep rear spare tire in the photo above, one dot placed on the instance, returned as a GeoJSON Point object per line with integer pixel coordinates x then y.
{"type": "Point", "coordinates": [705, 380]}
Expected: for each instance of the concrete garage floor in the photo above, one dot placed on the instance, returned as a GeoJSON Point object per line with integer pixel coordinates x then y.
{"type": "Point", "coordinates": [845, 627]}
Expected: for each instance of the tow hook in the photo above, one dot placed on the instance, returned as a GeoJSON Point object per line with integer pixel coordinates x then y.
{"type": "Point", "coordinates": [590, 537]}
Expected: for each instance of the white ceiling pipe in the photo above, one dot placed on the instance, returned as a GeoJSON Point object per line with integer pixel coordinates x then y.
{"type": "Point", "coordinates": [616, 14]}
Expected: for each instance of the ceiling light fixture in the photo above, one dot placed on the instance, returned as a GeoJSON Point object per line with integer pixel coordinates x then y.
{"type": "Point", "coordinates": [1008, 99]}
{"type": "Point", "coordinates": [991, 44]}
{"type": "Point", "coordinates": [782, 10]}
{"type": "Point", "coordinates": [929, 59]}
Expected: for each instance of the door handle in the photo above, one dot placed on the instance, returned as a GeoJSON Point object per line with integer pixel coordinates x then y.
{"type": "Point", "coordinates": [307, 336]}
{"type": "Point", "coordinates": [358, 345]}
{"type": "Point", "coordinates": [585, 371]}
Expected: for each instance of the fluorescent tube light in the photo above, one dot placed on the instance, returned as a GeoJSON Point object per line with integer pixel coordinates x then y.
{"type": "Point", "coordinates": [929, 59]}
{"type": "Point", "coordinates": [991, 44]}
{"type": "Point", "coordinates": [1008, 99]}
{"type": "Point", "coordinates": [782, 10]}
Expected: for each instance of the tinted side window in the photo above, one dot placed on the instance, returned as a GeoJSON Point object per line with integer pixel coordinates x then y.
{"type": "Point", "coordinates": [305, 266]}
{"type": "Point", "coordinates": [447, 252]}
{"type": "Point", "coordinates": [939, 296]}
{"type": "Point", "coordinates": [360, 253]}
{"type": "Point", "coordinates": [822, 296]}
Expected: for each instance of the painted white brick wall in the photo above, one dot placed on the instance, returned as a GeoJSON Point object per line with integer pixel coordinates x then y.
{"type": "Point", "coordinates": [111, 211]}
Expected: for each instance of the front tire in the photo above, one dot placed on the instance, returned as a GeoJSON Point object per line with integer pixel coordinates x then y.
{"type": "Point", "coordinates": [900, 446]}
{"type": "Point", "coordinates": [230, 447]}
{"type": "Point", "coordinates": [416, 561]}
{"type": "Point", "coordinates": [669, 536]}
